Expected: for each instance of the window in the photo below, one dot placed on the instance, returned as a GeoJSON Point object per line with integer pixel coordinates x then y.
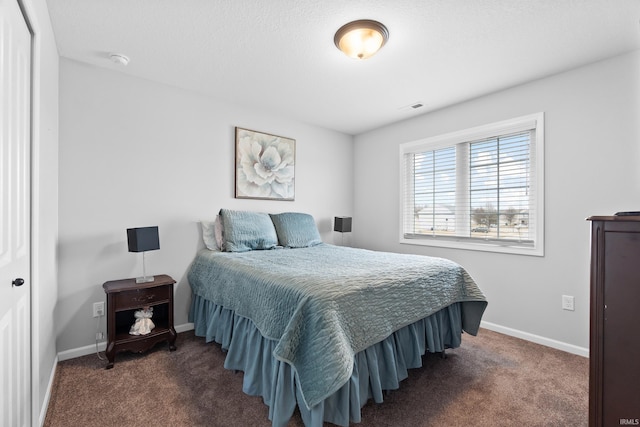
{"type": "Point", "coordinates": [480, 188]}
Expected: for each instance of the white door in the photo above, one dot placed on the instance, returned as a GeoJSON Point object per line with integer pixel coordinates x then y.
{"type": "Point", "coordinates": [15, 216]}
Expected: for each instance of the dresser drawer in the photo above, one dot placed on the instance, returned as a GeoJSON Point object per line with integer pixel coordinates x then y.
{"type": "Point", "coordinates": [140, 297]}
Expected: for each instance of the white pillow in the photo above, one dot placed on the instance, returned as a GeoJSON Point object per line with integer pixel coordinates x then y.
{"type": "Point", "coordinates": [212, 234]}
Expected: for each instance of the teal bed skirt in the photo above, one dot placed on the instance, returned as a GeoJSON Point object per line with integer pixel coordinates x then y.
{"type": "Point", "coordinates": [376, 369]}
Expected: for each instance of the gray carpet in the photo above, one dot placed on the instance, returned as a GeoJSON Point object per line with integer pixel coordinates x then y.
{"type": "Point", "coordinates": [491, 380]}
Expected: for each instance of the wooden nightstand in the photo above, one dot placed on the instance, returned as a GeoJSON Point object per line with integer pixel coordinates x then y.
{"type": "Point", "coordinates": [126, 296]}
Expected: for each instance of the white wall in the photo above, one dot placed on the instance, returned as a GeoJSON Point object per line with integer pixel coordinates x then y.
{"type": "Point", "coordinates": [136, 153]}
{"type": "Point", "coordinates": [44, 286]}
{"type": "Point", "coordinates": [592, 155]}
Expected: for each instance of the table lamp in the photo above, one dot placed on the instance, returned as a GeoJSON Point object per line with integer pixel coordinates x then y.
{"type": "Point", "coordinates": [143, 239]}
{"type": "Point", "coordinates": [342, 224]}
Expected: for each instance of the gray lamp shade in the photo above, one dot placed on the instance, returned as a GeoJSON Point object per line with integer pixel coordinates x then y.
{"type": "Point", "coordinates": [143, 239]}
{"type": "Point", "coordinates": [342, 224]}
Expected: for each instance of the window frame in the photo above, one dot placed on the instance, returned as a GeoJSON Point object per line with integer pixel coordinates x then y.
{"type": "Point", "coordinates": [533, 122]}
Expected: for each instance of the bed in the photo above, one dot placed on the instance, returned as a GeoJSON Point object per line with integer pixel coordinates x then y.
{"type": "Point", "coordinates": [320, 327]}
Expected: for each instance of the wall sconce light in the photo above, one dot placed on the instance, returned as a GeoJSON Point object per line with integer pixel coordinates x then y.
{"type": "Point", "coordinates": [142, 240]}
{"type": "Point", "coordinates": [361, 39]}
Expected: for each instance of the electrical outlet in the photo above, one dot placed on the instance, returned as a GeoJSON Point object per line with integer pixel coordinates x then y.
{"type": "Point", "coordinates": [568, 303]}
{"type": "Point", "coordinates": [99, 336]}
{"type": "Point", "coordinates": [98, 309]}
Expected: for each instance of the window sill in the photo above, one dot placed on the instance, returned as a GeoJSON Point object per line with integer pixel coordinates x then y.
{"type": "Point", "coordinates": [476, 246]}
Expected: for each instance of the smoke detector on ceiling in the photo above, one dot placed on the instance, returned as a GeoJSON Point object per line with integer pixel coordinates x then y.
{"type": "Point", "coordinates": [118, 58]}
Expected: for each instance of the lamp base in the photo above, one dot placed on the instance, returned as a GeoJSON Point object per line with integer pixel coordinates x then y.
{"type": "Point", "coordinates": [145, 279]}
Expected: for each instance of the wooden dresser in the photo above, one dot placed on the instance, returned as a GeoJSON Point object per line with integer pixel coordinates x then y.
{"type": "Point", "coordinates": [614, 373]}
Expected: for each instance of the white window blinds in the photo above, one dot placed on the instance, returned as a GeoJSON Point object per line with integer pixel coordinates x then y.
{"type": "Point", "coordinates": [476, 189]}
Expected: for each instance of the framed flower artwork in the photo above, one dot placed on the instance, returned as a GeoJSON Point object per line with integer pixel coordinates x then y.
{"type": "Point", "coordinates": [265, 166]}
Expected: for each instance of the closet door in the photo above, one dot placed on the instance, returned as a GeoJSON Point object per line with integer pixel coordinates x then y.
{"type": "Point", "coordinates": [15, 216]}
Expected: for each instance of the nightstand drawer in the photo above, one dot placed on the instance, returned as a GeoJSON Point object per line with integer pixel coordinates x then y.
{"type": "Point", "coordinates": [141, 297]}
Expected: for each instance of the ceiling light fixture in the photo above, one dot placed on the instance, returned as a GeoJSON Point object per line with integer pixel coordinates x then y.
{"type": "Point", "coordinates": [361, 39]}
{"type": "Point", "coordinates": [119, 58]}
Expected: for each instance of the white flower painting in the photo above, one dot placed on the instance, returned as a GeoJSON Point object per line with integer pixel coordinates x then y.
{"type": "Point", "coordinates": [265, 166]}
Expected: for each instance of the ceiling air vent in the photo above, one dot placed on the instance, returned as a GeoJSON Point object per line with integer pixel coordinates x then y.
{"type": "Point", "coordinates": [413, 106]}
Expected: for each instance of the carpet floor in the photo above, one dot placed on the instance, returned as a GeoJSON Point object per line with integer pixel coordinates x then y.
{"type": "Point", "coordinates": [491, 380]}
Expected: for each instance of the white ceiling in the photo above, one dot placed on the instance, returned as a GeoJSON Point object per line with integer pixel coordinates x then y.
{"type": "Point", "coordinates": [278, 55]}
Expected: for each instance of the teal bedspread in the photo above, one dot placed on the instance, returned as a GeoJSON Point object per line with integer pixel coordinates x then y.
{"type": "Point", "coordinates": [325, 303]}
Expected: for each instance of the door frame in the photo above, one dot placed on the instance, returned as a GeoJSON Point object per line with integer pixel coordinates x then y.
{"type": "Point", "coordinates": [30, 16]}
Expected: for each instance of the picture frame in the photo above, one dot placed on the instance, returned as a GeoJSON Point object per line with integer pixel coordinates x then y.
{"type": "Point", "coordinates": [265, 166]}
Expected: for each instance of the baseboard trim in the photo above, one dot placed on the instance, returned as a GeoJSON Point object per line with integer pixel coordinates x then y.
{"type": "Point", "coordinates": [47, 395]}
{"type": "Point", "coordinates": [102, 346]}
{"type": "Point", "coordinates": [184, 327]}
{"type": "Point", "coordinates": [559, 345]}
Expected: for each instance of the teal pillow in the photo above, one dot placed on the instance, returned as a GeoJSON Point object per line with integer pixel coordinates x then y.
{"type": "Point", "coordinates": [245, 231]}
{"type": "Point", "coordinates": [296, 230]}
